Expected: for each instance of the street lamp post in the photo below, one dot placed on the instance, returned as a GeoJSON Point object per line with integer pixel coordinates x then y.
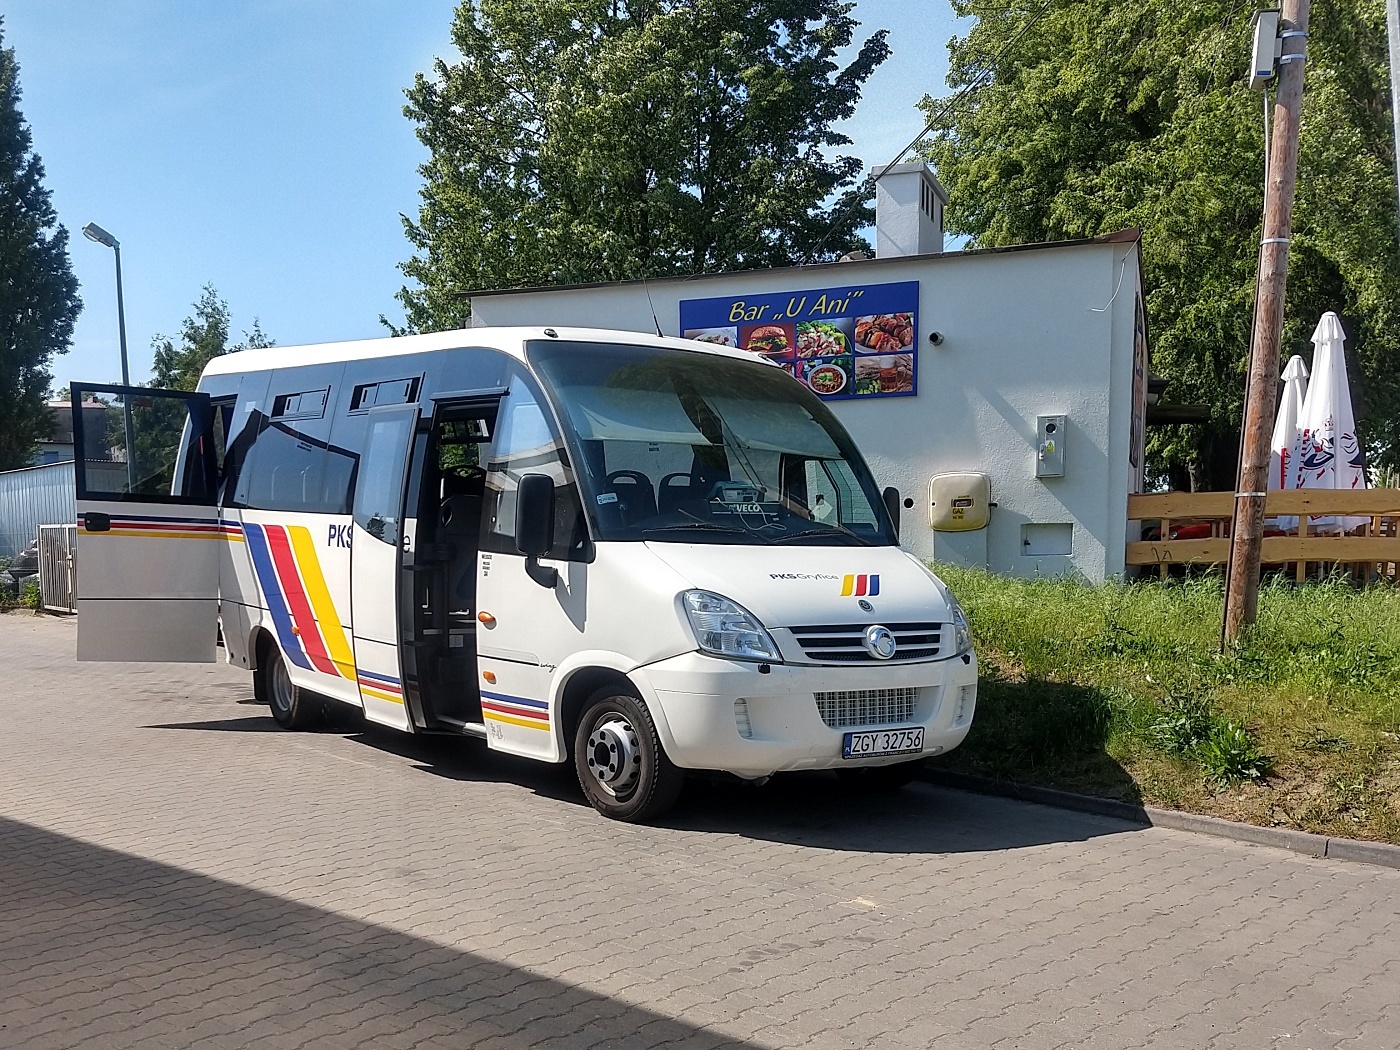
{"type": "Point", "coordinates": [94, 232]}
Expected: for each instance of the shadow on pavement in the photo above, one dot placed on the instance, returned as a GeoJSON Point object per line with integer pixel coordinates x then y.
{"type": "Point", "coordinates": [821, 811]}
{"type": "Point", "coordinates": [99, 947]}
{"type": "Point", "coordinates": [249, 724]}
{"type": "Point", "coordinates": [814, 809]}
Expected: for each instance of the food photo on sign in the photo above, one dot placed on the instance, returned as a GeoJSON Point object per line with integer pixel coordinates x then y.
{"type": "Point", "coordinates": [842, 343]}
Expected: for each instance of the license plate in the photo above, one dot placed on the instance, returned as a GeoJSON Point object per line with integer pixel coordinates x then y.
{"type": "Point", "coordinates": [882, 742]}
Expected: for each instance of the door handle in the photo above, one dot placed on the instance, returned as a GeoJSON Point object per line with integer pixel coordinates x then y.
{"type": "Point", "coordinates": [96, 521]}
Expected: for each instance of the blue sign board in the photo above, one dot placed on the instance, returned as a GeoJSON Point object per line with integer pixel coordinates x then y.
{"type": "Point", "coordinates": [851, 341]}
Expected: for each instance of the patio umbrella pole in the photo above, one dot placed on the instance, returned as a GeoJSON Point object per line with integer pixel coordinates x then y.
{"type": "Point", "coordinates": [1247, 530]}
{"type": "Point", "coordinates": [1392, 30]}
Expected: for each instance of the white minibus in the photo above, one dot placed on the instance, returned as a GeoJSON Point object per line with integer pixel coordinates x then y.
{"type": "Point", "coordinates": [642, 555]}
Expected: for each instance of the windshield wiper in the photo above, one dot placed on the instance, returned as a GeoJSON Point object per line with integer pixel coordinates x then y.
{"type": "Point", "coordinates": [696, 526]}
{"type": "Point", "coordinates": [845, 534]}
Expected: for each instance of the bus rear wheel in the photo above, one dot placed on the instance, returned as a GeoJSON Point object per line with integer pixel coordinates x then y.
{"type": "Point", "coordinates": [621, 766]}
{"type": "Point", "coordinates": [292, 707]}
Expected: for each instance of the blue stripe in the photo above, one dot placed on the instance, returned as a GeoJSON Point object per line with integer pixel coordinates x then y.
{"type": "Point", "coordinates": [541, 704]}
{"type": "Point", "coordinates": [276, 605]}
{"type": "Point", "coordinates": [874, 586]}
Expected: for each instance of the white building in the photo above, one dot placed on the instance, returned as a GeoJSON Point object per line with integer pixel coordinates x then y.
{"type": "Point", "coordinates": [1025, 364]}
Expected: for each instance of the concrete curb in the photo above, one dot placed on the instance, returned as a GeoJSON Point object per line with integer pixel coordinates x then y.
{"type": "Point", "coordinates": [1358, 850]}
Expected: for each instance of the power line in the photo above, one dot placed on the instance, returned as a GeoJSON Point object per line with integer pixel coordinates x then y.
{"type": "Point", "coordinates": [981, 78]}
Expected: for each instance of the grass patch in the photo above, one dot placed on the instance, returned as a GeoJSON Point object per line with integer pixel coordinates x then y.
{"type": "Point", "coordinates": [1121, 691]}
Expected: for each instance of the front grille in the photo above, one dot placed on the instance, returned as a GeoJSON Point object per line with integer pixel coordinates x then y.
{"type": "Point", "coordinates": [842, 644]}
{"type": "Point", "coordinates": [866, 707]}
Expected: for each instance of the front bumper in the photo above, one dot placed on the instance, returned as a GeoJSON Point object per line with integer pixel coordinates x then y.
{"type": "Point", "coordinates": [693, 699]}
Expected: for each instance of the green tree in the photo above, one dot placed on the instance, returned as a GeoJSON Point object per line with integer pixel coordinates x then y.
{"type": "Point", "coordinates": [38, 293]}
{"type": "Point", "coordinates": [590, 140]}
{"type": "Point", "coordinates": [203, 336]}
{"type": "Point", "coordinates": [1120, 113]}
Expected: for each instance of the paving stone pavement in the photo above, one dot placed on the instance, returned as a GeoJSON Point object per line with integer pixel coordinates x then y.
{"type": "Point", "coordinates": [176, 872]}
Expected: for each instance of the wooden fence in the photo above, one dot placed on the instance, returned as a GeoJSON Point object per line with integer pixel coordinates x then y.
{"type": "Point", "coordinates": [1374, 549]}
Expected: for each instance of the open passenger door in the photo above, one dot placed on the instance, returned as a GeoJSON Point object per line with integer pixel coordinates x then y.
{"type": "Point", "coordinates": [148, 528]}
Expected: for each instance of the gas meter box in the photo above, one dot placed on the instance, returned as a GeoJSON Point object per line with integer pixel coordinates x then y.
{"type": "Point", "coordinates": [959, 502]}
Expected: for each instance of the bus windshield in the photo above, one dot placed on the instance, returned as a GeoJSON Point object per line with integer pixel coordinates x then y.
{"type": "Point", "coordinates": [687, 447]}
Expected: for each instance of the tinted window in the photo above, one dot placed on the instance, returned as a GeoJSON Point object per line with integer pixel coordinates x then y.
{"type": "Point", "coordinates": [525, 442]}
{"type": "Point", "coordinates": [379, 495]}
{"type": "Point", "coordinates": [286, 470]}
{"type": "Point", "coordinates": [171, 453]}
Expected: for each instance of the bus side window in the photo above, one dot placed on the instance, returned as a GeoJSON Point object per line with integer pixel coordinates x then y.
{"type": "Point", "coordinates": [379, 491]}
{"type": "Point", "coordinates": [274, 467]}
{"type": "Point", "coordinates": [525, 443]}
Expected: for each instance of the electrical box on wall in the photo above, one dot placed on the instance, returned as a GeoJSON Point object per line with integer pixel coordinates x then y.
{"type": "Point", "coordinates": [959, 502]}
{"type": "Point", "coordinates": [1050, 447]}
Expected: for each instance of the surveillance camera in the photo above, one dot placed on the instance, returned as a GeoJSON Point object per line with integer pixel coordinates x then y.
{"type": "Point", "coordinates": [936, 338]}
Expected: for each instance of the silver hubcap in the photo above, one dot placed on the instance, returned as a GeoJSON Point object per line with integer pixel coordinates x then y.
{"type": "Point", "coordinates": [614, 758]}
{"type": "Point", "coordinates": [281, 684]}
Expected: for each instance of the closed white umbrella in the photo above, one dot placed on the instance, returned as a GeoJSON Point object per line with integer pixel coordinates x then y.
{"type": "Point", "coordinates": [1327, 453]}
{"type": "Point", "coordinates": [1290, 407]}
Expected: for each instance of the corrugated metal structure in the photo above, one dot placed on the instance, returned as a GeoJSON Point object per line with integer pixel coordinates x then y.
{"type": "Point", "coordinates": [45, 495]}
{"type": "Point", "coordinates": [32, 497]}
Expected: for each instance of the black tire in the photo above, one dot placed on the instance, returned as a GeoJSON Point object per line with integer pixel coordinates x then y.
{"type": "Point", "coordinates": [882, 778]}
{"type": "Point", "coordinates": [292, 707]}
{"type": "Point", "coordinates": [621, 765]}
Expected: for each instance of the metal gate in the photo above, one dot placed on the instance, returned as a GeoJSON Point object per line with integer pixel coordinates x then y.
{"type": "Point", "coordinates": [58, 568]}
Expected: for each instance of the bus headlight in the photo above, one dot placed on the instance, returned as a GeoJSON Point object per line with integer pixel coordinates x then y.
{"type": "Point", "coordinates": [962, 637]}
{"type": "Point", "coordinates": [726, 628]}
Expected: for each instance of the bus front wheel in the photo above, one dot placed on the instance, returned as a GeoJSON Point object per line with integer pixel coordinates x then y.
{"type": "Point", "coordinates": [620, 763]}
{"type": "Point", "coordinates": [293, 708]}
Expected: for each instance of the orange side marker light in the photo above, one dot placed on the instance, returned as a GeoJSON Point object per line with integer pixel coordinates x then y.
{"type": "Point", "coordinates": [490, 677]}
{"type": "Point", "coordinates": [486, 619]}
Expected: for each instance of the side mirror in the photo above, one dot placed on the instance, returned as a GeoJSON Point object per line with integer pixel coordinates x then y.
{"type": "Point", "coordinates": [891, 497]}
{"type": "Point", "coordinates": [534, 515]}
{"type": "Point", "coordinates": [534, 525]}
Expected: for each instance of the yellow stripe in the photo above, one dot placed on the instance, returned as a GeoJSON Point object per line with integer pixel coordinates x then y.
{"type": "Point", "coordinates": [167, 535]}
{"type": "Point", "coordinates": [848, 585]}
{"type": "Point", "coordinates": [492, 716]}
{"type": "Point", "coordinates": [381, 696]}
{"type": "Point", "coordinates": [326, 619]}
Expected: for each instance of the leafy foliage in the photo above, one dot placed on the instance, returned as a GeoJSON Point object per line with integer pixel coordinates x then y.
{"type": "Point", "coordinates": [38, 293]}
{"type": "Point", "coordinates": [159, 424]}
{"type": "Point", "coordinates": [1122, 690]}
{"type": "Point", "coordinates": [204, 336]}
{"type": "Point", "coordinates": [1230, 754]}
{"type": "Point", "coordinates": [590, 140]}
{"type": "Point", "coordinates": [1137, 113]}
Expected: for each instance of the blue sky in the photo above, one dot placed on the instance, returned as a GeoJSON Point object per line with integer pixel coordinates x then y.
{"type": "Point", "coordinates": [260, 146]}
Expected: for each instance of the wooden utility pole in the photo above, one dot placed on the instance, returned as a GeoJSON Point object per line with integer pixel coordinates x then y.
{"type": "Point", "coordinates": [1247, 532]}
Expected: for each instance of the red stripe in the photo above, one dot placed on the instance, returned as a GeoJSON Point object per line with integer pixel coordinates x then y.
{"type": "Point", "coordinates": [302, 616]}
{"type": "Point", "coordinates": [119, 523]}
{"type": "Point", "coordinates": [860, 585]}
{"type": "Point", "coordinates": [383, 687]}
{"type": "Point", "coordinates": [538, 716]}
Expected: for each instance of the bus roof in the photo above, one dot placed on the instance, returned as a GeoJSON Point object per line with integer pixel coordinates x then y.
{"type": "Point", "coordinates": [507, 340]}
